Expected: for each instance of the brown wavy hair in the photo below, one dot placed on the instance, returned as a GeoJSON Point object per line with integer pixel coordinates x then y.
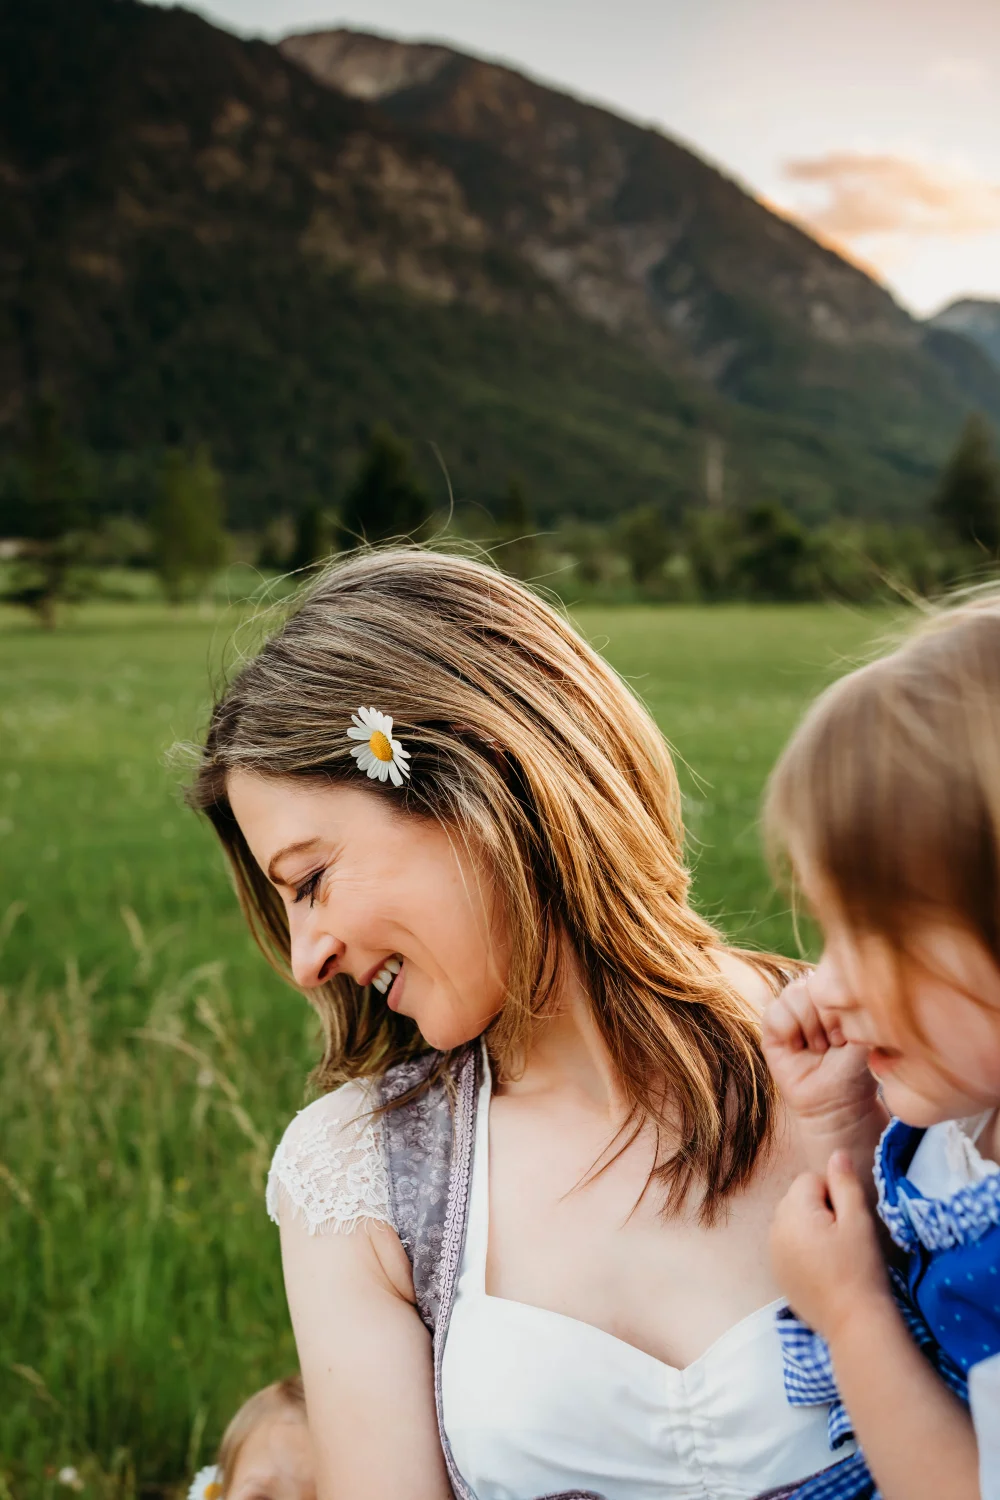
{"type": "Point", "coordinates": [528, 747]}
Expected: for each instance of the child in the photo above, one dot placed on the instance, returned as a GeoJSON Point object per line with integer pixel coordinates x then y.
{"type": "Point", "coordinates": [886, 807]}
{"type": "Point", "coordinates": [265, 1452]}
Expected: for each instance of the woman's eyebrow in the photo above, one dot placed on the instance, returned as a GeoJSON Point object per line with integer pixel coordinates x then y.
{"type": "Point", "coordinates": [299, 848]}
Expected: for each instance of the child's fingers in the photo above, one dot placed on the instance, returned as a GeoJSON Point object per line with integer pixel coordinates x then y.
{"type": "Point", "coordinates": [802, 1222]}
{"type": "Point", "coordinates": [780, 1029]}
{"type": "Point", "coordinates": [834, 1031]}
{"type": "Point", "coordinates": [808, 1193]}
{"type": "Point", "coordinates": [792, 1023]}
{"type": "Point", "coordinates": [805, 1203]}
{"type": "Point", "coordinates": [847, 1196]}
{"type": "Point", "coordinates": [800, 1002]}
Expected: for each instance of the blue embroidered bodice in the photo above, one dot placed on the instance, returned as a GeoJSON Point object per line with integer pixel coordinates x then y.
{"type": "Point", "coordinates": [952, 1248]}
{"type": "Point", "coordinates": [947, 1291]}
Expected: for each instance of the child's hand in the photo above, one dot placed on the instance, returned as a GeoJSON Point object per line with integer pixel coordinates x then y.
{"type": "Point", "coordinates": [823, 1079]}
{"type": "Point", "coordinates": [825, 1249]}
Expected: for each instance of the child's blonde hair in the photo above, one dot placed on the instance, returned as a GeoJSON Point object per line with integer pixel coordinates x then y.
{"type": "Point", "coordinates": [285, 1394]}
{"type": "Point", "coordinates": [888, 794]}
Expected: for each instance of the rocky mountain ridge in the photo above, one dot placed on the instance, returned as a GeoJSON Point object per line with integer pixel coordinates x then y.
{"type": "Point", "coordinates": [610, 212]}
{"type": "Point", "coordinates": [204, 239]}
{"type": "Point", "coordinates": [975, 318]}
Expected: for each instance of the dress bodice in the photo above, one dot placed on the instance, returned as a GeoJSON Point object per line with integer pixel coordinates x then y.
{"type": "Point", "coordinates": [535, 1402]}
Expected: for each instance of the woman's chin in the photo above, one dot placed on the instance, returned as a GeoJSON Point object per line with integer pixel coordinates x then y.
{"type": "Point", "coordinates": [443, 1029]}
{"type": "Point", "coordinates": [444, 1036]}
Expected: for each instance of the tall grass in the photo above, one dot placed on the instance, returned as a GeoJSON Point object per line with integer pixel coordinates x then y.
{"type": "Point", "coordinates": [149, 1060]}
{"type": "Point", "coordinates": [142, 1287]}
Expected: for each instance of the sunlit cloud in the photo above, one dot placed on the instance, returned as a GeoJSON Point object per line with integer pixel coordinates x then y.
{"type": "Point", "coordinates": [853, 195]}
{"type": "Point", "coordinates": [960, 72]}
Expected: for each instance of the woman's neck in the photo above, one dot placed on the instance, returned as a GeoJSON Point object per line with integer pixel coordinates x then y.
{"type": "Point", "coordinates": [567, 1053]}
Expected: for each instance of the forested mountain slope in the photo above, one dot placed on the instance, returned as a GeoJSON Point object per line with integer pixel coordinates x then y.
{"type": "Point", "coordinates": [210, 239]}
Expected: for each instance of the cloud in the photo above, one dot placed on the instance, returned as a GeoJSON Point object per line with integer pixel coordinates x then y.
{"type": "Point", "coordinates": [960, 72]}
{"type": "Point", "coordinates": [868, 194]}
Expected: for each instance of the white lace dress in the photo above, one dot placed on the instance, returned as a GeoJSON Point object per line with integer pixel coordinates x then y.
{"type": "Point", "coordinates": [534, 1402]}
{"type": "Point", "coordinates": [330, 1166]}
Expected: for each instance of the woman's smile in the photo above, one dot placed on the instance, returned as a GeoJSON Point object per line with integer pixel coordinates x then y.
{"type": "Point", "coordinates": [391, 988]}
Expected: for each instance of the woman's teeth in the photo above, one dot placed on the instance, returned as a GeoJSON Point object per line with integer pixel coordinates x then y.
{"type": "Point", "coordinates": [383, 979]}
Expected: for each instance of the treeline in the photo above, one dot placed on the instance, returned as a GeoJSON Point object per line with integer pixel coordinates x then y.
{"type": "Point", "coordinates": [59, 544]}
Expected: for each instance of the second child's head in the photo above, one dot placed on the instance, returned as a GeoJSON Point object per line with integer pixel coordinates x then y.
{"type": "Point", "coordinates": [886, 807]}
{"type": "Point", "coordinates": [266, 1452]}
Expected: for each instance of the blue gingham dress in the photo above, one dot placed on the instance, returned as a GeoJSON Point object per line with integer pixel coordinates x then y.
{"type": "Point", "coordinates": [948, 1292]}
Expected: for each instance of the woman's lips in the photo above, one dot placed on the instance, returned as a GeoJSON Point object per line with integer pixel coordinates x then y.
{"type": "Point", "coordinates": [393, 997]}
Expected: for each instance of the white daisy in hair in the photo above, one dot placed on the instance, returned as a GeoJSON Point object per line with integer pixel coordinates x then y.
{"type": "Point", "coordinates": [382, 757]}
{"type": "Point", "coordinates": [207, 1484]}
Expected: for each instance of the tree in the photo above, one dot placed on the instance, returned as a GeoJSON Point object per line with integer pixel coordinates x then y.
{"type": "Point", "coordinates": [967, 500]}
{"type": "Point", "coordinates": [49, 502]}
{"type": "Point", "coordinates": [189, 542]}
{"type": "Point", "coordinates": [313, 539]}
{"type": "Point", "coordinates": [711, 542]}
{"type": "Point", "coordinates": [517, 541]}
{"type": "Point", "coordinates": [773, 554]}
{"type": "Point", "coordinates": [386, 499]}
{"type": "Point", "coordinates": [590, 549]}
{"type": "Point", "coordinates": [645, 542]}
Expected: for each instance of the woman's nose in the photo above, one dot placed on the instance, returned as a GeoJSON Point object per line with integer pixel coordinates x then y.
{"type": "Point", "coordinates": [315, 954]}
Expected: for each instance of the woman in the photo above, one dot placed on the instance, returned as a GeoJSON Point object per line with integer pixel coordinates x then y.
{"type": "Point", "coordinates": [551, 1128]}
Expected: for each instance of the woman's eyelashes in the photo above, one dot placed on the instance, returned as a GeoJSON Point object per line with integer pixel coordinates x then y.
{"type": "Point", "coordinates": [309, 888]}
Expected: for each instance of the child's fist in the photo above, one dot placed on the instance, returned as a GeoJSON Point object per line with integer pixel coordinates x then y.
{"type": "Point", "coordinates": [825, 1249]}
{"type": "Point", "coordinates": [823, 1079]}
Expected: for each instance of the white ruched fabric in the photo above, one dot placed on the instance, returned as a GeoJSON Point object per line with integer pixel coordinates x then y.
{"type": "Point", "coordinates": [536, 1402]}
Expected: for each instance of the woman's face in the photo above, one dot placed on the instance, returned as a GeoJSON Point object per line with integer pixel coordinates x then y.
{"type": "Point", "coordinates": [387, 898]}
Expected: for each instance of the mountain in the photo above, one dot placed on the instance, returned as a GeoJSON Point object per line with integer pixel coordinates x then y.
{"type": "Point", "coordinates": [272, 248]}
{"type": "Point", "coordinates": [976, 319]}
{"type": "Point", "coordinates": [643, 237]}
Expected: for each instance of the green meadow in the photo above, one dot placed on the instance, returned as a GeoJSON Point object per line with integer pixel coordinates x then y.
{"type": "Point", "coordinates": [149, 1060]}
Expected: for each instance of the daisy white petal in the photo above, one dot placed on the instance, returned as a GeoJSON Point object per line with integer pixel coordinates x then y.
{"type": "Point", "coordinates": [207, 1484]}
{"type": "Point", "coordinates": [377, 754]}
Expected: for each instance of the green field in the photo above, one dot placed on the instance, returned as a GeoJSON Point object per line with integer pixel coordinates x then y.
{"type": "Point", "coordinates": [149, 1060]}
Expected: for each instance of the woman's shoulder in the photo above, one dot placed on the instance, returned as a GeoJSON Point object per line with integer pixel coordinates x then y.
{"type": "Point", "coordinates": [757, 981]}
{"type": "Point", "coordinates": [329, 1169]}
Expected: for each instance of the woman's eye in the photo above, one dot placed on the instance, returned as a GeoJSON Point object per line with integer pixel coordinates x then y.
{"type": "Point", "coordinates": [308, 888]}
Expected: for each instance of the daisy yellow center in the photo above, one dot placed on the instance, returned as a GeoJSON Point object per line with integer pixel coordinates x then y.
{"type": "Point", "coordinates": [379, 746]}
{"type": "Point", "coordinates": [213, 1491]}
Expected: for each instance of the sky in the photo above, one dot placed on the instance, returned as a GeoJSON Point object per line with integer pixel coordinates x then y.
{"type": "Point", "coordinates": [874, 122]}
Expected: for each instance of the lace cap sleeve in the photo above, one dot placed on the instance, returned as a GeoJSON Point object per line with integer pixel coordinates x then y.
{"type": "Point", "coordinates": [330, 1166]}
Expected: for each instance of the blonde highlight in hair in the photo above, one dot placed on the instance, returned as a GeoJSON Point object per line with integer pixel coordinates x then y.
{"type": "Point", "coordinates": [531, 751]}
{"type": "Point", "coordinates": [887, 797]}
{"type": "Point", "coordinates": [282, 1395]}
